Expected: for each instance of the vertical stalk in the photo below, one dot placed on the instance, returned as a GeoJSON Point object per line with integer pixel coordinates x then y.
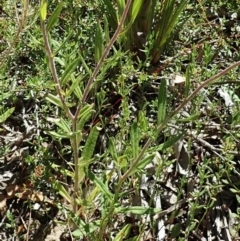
{"type": "Point", "coordinates": [76, 174]}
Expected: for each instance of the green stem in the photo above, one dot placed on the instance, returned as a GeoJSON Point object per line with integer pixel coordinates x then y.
{"type": "Point", "coordinates": [76, 174]}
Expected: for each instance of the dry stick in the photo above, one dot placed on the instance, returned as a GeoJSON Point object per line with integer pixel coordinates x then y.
{"type": "Point", "coordinates": [181, 106]}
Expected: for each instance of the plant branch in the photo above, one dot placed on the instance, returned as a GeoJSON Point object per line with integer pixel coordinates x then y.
{"type": "Point", "coordinates": [169, 117]}
{"type": "Point", "coordinates": [54, 71]}
{"type": "Point", "coordinates": [104, 55]}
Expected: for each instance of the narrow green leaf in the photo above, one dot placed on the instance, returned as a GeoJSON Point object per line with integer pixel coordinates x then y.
{"type": "Point", "coordinates": [75, 87]}
{"type": "Point", "coordinates": [112, 149]}
{"type": "Point", "coordinates": [82, 164]}
{"type": "Point", "coordinates": [62, 191]}
{"type": "Point", "coordinates": [6, 114]}
{"type": "Point", "coordinates": [187, 82]}
{"type": "Point", "coordinates": [106, 29]}
{"type": "Point", "coordinates": [98, 42]}
{"type": "Point", "coordinates": [167, 144]}
{"type": "Point", "coordinates": [192, 226]}
{"type": "Point", "coordinates": [63, 43]}
{"type": "Point", "coordinates": [55, 16]}
{"type": "Point", "coordinates": [176, 230]}
{"type": "Point", "coordinates": [108, 8]}
{"type": "Point", "coordinates": [134, 139]}
{"type": "Point", "coordinates": [69, 70]}
{"type": "Point", "coordinates": [137, 210]}
{"type": "Point", "coordinates": [123, 233]}
{"type": "Point", "coordinates": [103, 187]}
{"type": "Point", "coordinates": [190, 118]}
{"type": "Point", "coordinates": [60, 122]}
{"type": "Point", "coordinates": [57, 135]}
{"type": "Point", "coordinates": [54, 100]}
{"type": "Point", "coordinates": [121, 6]}
{"type": "Point", "coordinates": [4, 96]}
{"type": "Point", "coordinates": [43, 10]}
{"type": "Point", "coordinates": [86, 229]}
{"type": "Point", "coordinates": [162, 102]}
{"type": "Point", "coordinates": [90, 144]}
{"type": "Point", "coordinates": [165, 23]}
{"type": "Point", "coordinates": [84, 116]}
{"type": "Point", "coordinates": [147, 16]}
{"type": "Point", "coordinates": [136, 7]}
{"type": "Point", "coordinates": [238, 198]}
{"type": "Point", "coordinates": [89, 71]}
{"type": "Point", "coordinates": [143, 163]}
{"type": "Point", "coordinates": [234, 190]}
{"type": "Point", "coordinates": [142, 121]}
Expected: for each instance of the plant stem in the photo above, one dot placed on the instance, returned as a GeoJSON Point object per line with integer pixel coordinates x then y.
{"type": "Point", "coordinates": [76, 168]}
{"type": "Point", "coordinates": [54, 71]}
{"type": "Point", "coordinates": [169, 117]}
{"type": "Point", "coordinates": [104, 55]}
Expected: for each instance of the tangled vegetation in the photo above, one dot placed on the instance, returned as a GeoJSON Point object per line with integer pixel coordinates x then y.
{"type": "Point", "coordinates": [119, 120]}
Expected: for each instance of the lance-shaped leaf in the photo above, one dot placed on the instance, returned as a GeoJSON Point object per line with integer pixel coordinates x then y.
{"type": "Point", "coordinates": [162, 101]}
{"type": "Point", "coordinates": [88, 151]}
{"type": "Point", "coordinates": [123, 233]}
{"type": "Point", "coordinates": [137, 210]}
{"type": "Point", "coordinates": [84, 116]}
{"type": "Point", "coordinates": [91, 143]}
{"type": "Point", "coordinates": [98, 42]}
{"type": "Point", "coordinates": [69, 70]}
{"type": "Point", "coordinates": [187, 83]}
{"type": "Point", "coordinates": [85, 229]}
{"type": "Point", "coordinates": [62, 191]}
{"type": "Point", "coordinates": [134, 139]}
{"type": "Point", "coordinates": [107, 7]}
{"type": "Point", "coordinates": [6, 114]}
{"type": "Point", "coordinates": [54, 100]}
{"type": "Point", "coordinates": [55, 16]}
{"type": "Point", "coordinates": [98, 182]}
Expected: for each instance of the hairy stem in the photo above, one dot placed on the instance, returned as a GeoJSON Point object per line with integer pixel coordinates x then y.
{"type": "Point", "coordinates": [54, 71]}
{"type": "Point", "coordinates": [104, 55]}
{"type": "Point", "coordinates": [169, 117]}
